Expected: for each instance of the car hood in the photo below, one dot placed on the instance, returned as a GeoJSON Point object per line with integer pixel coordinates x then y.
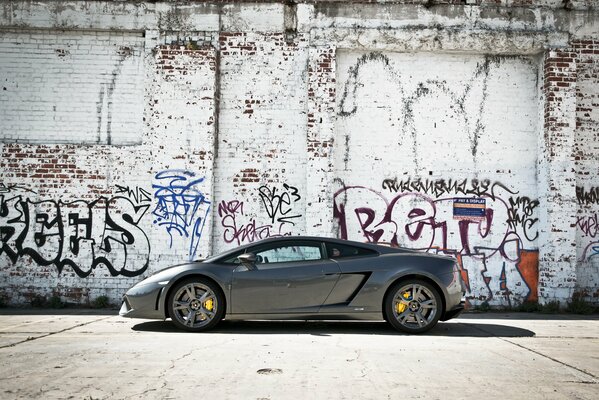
{"type": "Point", "coordinates": [168, 273]}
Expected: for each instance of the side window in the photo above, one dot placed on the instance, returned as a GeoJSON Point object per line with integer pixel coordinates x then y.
{"type": "Point", "coordinates": [336, 250]}
{"type": "Point", "coordinates": [288, 253]}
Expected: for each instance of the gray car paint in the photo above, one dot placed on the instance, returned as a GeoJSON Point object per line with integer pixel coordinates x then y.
{"type": "Point", "coordinates": [342, 288]}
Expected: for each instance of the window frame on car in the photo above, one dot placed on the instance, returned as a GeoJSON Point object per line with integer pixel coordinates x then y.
{"type": "Point", "coordinates": [368, 252]}
{"type": "Point", "coordinates": [232, 259]}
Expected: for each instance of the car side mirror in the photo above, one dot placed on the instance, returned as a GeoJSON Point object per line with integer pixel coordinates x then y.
{"type": "Point", "coordinates": [248, 260]}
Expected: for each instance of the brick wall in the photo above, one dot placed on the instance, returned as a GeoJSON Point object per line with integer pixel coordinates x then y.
{"type": "Point", "coordinates": [260, 169]}
{"type": "Point", "coordinates": [441, 127]}
{"type": "Point", "coordinates": [133, 138]}
{"type": "Point", "coordinates": [586, 156]}
{"type": "Point", "coordinates": [71, 87]}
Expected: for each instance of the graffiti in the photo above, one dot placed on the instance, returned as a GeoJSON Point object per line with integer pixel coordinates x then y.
{"type": "Point", "coordinates": [490, 252]}
{"type": "Point", "coordinates": [440, 187]}
{"type": "Point", "coordinates": [520, 213]}
{"type": "Point", "coordinates": [588, 225]}
{"type": "Point", "coordinates": [240, 228]}
{"type": "Point", "coordinates": [4, 188]}
{"type": "Point", "coordinates": [137, 194]}
{"type": "Point", "coordinates": [279, 204]}
{"type": "Point", "coordinates": [181, 206]}
{"type": "Point", "coordinates": [80, 234]}
{"type": "Point", "coordinates": [587, 197]}
{"type": "Point", "coordinates": [234, 231]}
{"type": "Point", "coordinates": [590, 251]}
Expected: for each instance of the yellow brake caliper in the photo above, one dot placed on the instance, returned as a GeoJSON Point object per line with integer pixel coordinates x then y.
{"type": "Point", "coordinates": [400, 306]}
{"type": "Point", "coordinates": [209, 304]}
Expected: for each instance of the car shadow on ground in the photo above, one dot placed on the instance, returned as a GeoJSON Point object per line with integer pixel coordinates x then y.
{"type": "Point", "coordinates": [327, 328]}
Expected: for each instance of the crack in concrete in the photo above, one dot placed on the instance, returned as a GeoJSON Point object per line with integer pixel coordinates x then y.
{"type": "Point", "coordinates": [535, 352]}
{"type": "Point", "coordinates": [162, 375]}
{"type": "Point", "coordinates": [568, 337]}
{"type": "Point", "coordinates": [31, 338]}
{"type": "Point", "coordinates": [551, 358]}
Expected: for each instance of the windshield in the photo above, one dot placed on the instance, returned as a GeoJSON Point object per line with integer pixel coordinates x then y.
{"type": "Point", "coordinates": [225, 254]}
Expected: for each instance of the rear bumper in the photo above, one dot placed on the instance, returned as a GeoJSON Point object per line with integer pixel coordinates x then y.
{"type": "Point", "coordinates": [454, 312]}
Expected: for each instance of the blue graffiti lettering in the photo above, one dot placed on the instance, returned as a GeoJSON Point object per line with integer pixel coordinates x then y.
{"type": "Point", "coordinates": [181, 206]}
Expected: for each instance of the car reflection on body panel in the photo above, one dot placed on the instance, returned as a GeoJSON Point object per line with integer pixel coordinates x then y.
{"type": "Point", "coordinates": [303, 278]}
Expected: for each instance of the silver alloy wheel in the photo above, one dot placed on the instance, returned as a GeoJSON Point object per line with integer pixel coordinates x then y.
{"type": "Point", "coordinates": [414, 306]}
{"type": "Point", "coordinates": [194, 305]}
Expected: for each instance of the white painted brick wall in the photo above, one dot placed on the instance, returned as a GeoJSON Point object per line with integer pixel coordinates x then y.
{"type": "Point", "coordinates": [261, 143]}
{"type": "Point", "coordinates": [147, 180]}
{"type": "Point", "coordinates": [261, 100]}
{"type": "Point", "coordinates": [458, 117]}
{"type": "Point", "coordinates": [71, 87]}
{"type": "Point", "coordinates": [586, 153]}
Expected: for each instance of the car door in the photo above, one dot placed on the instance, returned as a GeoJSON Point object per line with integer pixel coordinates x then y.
{"type": "Point", "coordinates": [290, 277]}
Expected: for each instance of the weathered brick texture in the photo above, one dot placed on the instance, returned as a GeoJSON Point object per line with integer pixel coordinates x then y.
{"type": "Point", "coordinates": [586, 156]}
{"type": "Point", "coordinates": [71, 87]}
{"type": "Point", "coordinates": [260, 174]}
{"type": "Point", "coordinates": [135, 135]}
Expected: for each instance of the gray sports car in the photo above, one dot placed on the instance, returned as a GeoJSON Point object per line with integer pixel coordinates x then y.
{"type": "Point", "coordinates": [304, 278]}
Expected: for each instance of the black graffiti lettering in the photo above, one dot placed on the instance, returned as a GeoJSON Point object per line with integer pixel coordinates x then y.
{"type": "Point", "coordinates": [520, 213]}
{"type": "Point", "coordinates": [12, 226]}
{"type": "Point", "coordinates": [81, 235]}
{"type": "Point", "coordinates": [137, 194]}
{"type": "Point", "coordinates": [587, 197]}
{"type": "Point", "coordinates": [4, 188]}
{"type": "Point", "coordinates": [279, 204]}
{"type": "Point", "coordinates": [122, 231]}
{"type": "Point", "coordinates": [43, 231]}
{"type": "Point", "coordinates": [441, 187]}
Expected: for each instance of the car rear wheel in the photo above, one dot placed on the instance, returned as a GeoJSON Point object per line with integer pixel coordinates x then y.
{"type": "Point", "coordinates": [413, 306]}
{"type": "Point", "coordinates": [196, 304]}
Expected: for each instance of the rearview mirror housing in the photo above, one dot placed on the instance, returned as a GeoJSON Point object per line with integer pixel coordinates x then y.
{"type": "Point", "coordinates": [248, 260]}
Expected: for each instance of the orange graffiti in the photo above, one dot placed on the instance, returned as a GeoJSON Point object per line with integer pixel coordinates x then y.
{"type": "Point", "coordinates": [529, 269]}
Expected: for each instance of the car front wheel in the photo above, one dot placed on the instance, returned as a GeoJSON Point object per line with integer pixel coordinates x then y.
{"type": "Point", "coordinates": [413, 306]}
{"type": "Point", "coordinates": [196, 304]}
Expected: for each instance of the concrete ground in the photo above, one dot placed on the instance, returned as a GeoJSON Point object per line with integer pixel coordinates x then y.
{"type": "Point", "coordinates": [98, 355]}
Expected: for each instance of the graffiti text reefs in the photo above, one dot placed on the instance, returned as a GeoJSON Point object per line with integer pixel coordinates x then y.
{"type": "Point", "coordinates": [79, 234]}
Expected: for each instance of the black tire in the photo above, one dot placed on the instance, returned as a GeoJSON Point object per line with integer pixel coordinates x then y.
{"type": "Point", "coordinates": [196, 304]}
{"type": "Point", "coordinates": [413, 315]}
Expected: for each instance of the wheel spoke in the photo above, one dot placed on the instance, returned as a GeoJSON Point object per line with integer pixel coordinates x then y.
{"type": "Point", "coordinates": [190, 318]}
{"type": "Point", "coordinates": [420, 319]}
{"type": "Point", "coordinates": [206, 296]}
{"type": "Point", "coordinates": [190, 292]}
{"type": "Point", "coordinates": [403, 316]}
{"type": "Point", "coordinates": [181, 305]}
{"type": "Point", "coordinates": [428, 304]}
{"type": "Point", "coordinates": [415, 292]}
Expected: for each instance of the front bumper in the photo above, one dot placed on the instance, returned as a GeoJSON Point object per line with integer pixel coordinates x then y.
{"type": "Point", "coordinates": [143, 302]}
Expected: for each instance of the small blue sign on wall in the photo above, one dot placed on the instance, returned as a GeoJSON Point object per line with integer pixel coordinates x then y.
{"type": "Point", "coordinates": [469, 208]}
